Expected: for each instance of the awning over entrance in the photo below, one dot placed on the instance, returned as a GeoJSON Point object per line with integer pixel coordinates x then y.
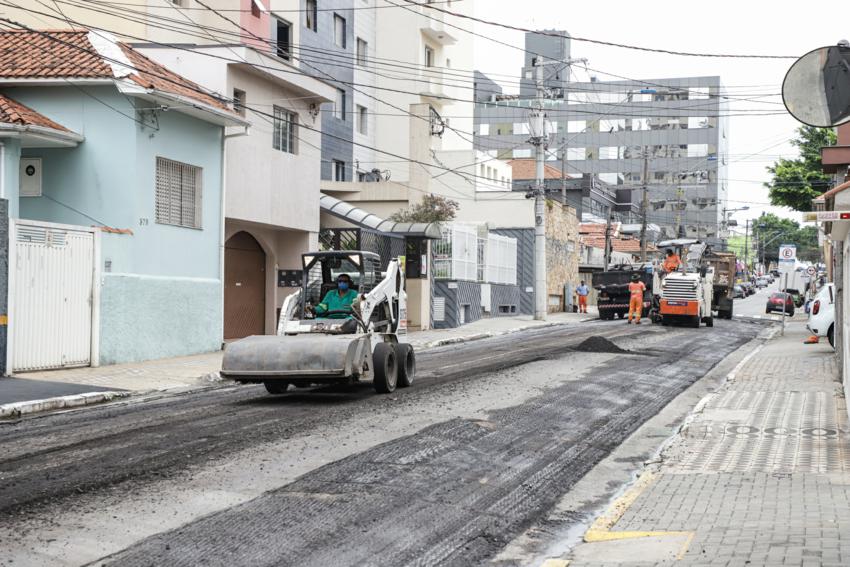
{"type": "Point", "coordinates": [364, 219]}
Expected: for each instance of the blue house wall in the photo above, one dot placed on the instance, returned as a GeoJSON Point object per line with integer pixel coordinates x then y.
{"type": "Point", "coordinates": [161, 293]}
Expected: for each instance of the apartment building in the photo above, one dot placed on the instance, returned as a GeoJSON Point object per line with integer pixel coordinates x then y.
{"type": "Point", "coordinates": [672, 128]}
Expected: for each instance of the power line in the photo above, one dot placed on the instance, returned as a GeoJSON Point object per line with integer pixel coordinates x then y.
{"type": "Point", "coordinates": [597, 41]}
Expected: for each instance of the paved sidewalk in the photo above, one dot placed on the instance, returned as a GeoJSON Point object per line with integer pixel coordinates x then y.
{"type": "Point", "coordinates": [760, 475]}
{"type": "Point", "coordinates": [191, 372]}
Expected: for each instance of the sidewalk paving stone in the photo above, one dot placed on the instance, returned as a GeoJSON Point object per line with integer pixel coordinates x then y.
{"type": "Point", "coordinates": [760, 475]}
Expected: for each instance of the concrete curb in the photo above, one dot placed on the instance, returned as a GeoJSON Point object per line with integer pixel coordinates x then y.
{"type": "Point", "coordinates": [18, 409]}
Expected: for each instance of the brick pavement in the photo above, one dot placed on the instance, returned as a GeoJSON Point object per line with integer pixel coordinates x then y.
{"type": "Point", "coordinates": [759, 476]}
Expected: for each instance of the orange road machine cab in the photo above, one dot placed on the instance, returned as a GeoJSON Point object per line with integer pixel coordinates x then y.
{"type": "Point", "coordinates": [686, 294]}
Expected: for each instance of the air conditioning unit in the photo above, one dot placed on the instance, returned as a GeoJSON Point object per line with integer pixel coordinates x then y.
{"type": "Point", "coordinates": [30, 177]}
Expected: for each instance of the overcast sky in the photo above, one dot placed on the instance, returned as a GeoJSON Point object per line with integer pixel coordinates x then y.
{"type": "Point", "coordinates": [778, 27]}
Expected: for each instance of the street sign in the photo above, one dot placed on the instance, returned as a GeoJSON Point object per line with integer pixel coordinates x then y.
{"type": "Point", "coordinates": [827, 216]}
{"type": "Point", "coordinates": [811, 270]}
{"type": "Point", "coordinates": [787, 257]}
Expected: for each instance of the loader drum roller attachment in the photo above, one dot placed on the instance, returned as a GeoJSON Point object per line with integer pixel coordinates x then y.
{"type": "Point", "coordinates": [338, 347]}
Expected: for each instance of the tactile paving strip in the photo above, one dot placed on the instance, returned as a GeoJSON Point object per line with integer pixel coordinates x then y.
{"type": "Point", "coordinates": [766, 432]}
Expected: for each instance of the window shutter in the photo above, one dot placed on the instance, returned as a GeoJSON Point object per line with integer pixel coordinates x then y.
{"type": "Point", "coordinates": [178, 193]}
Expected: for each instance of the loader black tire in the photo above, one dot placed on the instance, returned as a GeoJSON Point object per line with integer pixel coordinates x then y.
{"type": "Point", "coordinates": [276, 386]}
{"type": "Point", "coordinates": [406, 364]}
{"type": "Point", "coordinates": [709, 321]}
{"type": "Point", "coordinates": [695, 321]}
{"type": "Point", "coordinates": [386, 368]}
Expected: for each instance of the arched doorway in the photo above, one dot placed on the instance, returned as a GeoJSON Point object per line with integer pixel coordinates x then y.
{"type": "Point", "coordinates": [244, 287]}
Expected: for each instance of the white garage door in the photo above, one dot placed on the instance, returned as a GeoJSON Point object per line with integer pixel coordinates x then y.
{"type": "Point", "coordinates": [50, 319]}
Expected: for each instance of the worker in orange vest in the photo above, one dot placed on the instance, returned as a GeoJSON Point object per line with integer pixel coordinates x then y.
{"type": "Point", "coordinates": [672, 262]}
{"type": "Point", "coordinates": [636, 290]}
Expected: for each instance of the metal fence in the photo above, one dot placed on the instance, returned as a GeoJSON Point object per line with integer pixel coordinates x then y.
{"type": "Point", "coordinates": [501, 258]}
{"type": "Point", "coordinates": [464, 255]}
{"type": "Point", "coordinates": [387, 246]}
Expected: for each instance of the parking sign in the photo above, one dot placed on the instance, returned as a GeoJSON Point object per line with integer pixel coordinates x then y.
{"type": "Point", "coordinates": [787, 257]}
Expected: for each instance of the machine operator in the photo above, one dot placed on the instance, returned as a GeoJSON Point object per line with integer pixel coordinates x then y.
{"type": "Point", "coordinates": [338, 301]}
{"type": "Point", "coordinates": [672, 262]}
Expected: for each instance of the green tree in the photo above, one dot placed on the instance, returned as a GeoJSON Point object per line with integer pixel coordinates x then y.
{"type": "Point", "coordinates": [433, 208]}
{"type": "Point", "coordinates": [797, 181]}
{"type": "Point", "coordinates": [772, 231]}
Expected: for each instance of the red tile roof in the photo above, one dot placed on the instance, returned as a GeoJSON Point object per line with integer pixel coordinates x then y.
{"type": "Point", "coordinates": [631, 245]}
{"type": "Point", "coordinates": [595, 228]}
{"type": "Point", "coordinates": [13, 112]}
{"type": "Point", "coordinates": [68, 54]}
{"type": "Point", "coordinates": [527, 169]}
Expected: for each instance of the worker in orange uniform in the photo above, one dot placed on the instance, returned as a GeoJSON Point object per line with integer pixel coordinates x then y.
{"type": "Point", "coordinates": [636, 290]}
{"type": "Point", "coordinates": [672, 262]}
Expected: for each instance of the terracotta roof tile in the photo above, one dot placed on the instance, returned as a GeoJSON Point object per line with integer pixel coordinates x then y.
{"type": "Point", "coordinates": [595, 228]}
{"type": "Point", "coordinates": [13, 112]}
{"type": "Point", "coordinates": [527, 169]}
{"type": "Point", "coordinates": [53, 54]}
{"type": "Point", "coordinates": [152, 75]}
{"type": "Point", "coordinates": [631, 245]}
{"type": "Point", "coordinates": [68, 54]}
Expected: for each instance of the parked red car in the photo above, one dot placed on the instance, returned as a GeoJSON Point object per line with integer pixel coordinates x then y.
{"type": "Point", "coordinates": [777, 299]}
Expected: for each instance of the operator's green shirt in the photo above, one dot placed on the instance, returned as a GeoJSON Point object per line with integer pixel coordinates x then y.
{"type": "Point", "coordinates": [333, 301]}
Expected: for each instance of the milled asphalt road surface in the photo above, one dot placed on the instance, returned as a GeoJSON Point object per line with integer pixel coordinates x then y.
{"type": "Point", "coordinates": [453, 493]}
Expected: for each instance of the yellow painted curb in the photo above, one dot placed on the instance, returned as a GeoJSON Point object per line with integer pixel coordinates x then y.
{"type": "Point", "coordinates": [555, 563]}
{"type": "Point", "coordinates": [600, 530]}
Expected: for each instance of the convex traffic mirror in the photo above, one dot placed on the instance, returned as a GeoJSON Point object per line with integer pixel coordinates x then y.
{"type": "Point", "coordinates": [816, 89]}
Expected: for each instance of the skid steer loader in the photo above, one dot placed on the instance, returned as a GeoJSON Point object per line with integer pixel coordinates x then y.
{"type": "Point", "coordinates": [339, 346]}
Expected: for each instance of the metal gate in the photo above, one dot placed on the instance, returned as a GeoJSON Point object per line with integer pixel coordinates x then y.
{"type": "Point", "coordinates": [53, 296]}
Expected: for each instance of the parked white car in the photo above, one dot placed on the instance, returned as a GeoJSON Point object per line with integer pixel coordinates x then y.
{"type": "Point", "coordinates": [822, 314]}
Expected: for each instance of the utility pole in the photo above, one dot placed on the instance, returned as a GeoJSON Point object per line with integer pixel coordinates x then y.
{"type": "Point", "coordinates": [747, 246]}
{"type": "Point", "coordinates": [607, 252]}
{"type": "Point", "coordinates": [537, 119]}
{"type": "Point", "coordinates": [644, 205]}
{"type": "Point", "coordinates": [539, 139]}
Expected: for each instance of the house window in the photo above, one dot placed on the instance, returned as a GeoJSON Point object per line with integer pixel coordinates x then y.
{"type": "Point", "coordinates": [239, 100]}
{"type": "Point", "coordinates": [285, 124]}
{"type": "Point", "coordinates": [339, 104]}
{"type": "Point", "coordinates": [362, 120]}
{"type": "Point", "coordinates": [255, 9]}
{"type": "Point", "coordinates": [429, 56]}
{"type": "Point", "coordinates": [283, 38]}
{"type": "Point", "coordinates": [339, 170]}
{"type": "Point", "coordinates": [339, 31]}
{"type": "Point", "coordinates": [178, 193]}
{"type": "Point", "coordinates": [362, 48]}
{"type": "Point", "coordinates": [312, 15]}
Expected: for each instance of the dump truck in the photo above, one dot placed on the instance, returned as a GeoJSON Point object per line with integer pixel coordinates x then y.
{"type": "Point", "coordinates": [362, 344]}
{"type": "Point", "coordinates": [612, 288]}
{"type": "Point", "coordinates": [725, 266]}
{"type": "Point", "coordinates": [686, 294]}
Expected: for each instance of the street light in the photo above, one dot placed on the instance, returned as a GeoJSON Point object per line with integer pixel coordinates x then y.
{"type": "Point", "coordinates": [725, 222]}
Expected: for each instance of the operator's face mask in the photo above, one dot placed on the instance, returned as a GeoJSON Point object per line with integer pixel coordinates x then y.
{"type": "Point", "coordinates": [342, 285]}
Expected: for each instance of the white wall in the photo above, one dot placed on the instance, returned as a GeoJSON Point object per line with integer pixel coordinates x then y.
{"type": "Point", "coordinates": [365, 158]}
{"type": "Point", "coordinates": [400, 37]}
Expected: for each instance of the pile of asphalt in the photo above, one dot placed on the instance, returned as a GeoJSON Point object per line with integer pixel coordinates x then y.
{"type": "Point", "coordinates": [599, 344]}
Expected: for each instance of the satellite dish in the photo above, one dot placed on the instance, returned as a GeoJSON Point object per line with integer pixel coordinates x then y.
{"type": "Point", "coordinates": [816, 89]}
